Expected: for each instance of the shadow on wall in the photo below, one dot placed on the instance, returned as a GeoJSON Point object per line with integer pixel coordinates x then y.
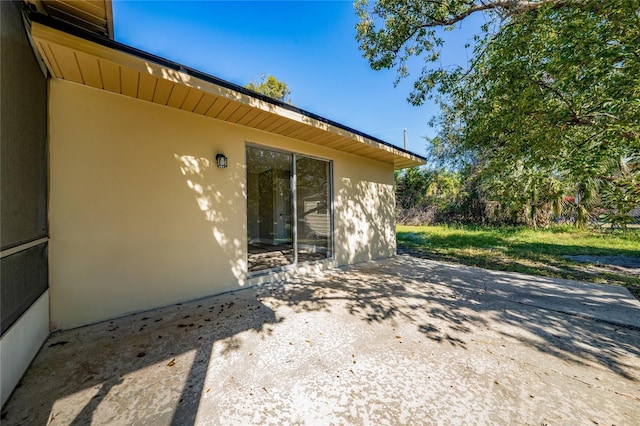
{"type": "Point", "coordinates": [364, 221]}
{"type": "Point", "coordinates": [219, 195]}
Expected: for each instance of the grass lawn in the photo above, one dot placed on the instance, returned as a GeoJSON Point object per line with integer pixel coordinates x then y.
{"type": "Point", "coordinates": [537, 252]}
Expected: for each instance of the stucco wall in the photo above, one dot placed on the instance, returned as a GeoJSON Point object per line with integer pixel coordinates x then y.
{"type": "Point", "coordinates": [140, 216]}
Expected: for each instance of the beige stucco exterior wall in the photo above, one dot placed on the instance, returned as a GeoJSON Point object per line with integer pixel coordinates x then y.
{"type": "Point", "coordinates": [140, 216]}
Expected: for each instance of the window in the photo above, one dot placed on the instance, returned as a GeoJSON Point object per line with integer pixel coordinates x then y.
{"type": "Point", "coordinates": [289, 212]}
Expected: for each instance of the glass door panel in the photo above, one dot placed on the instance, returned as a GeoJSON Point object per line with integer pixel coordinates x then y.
{"type": "Point", "coordinates": [313, 209]}
{"type": "Point", "coordinates": [269, 212]}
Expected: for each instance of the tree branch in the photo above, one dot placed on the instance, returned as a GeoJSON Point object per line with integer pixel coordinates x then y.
{"type": "Point", "coordinates": [576, 118]}
{"type": "Point", "coordinates": [513, 6]}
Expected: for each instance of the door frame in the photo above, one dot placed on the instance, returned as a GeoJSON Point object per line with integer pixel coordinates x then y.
{"type": "Point", "coordinates": [294, 212]}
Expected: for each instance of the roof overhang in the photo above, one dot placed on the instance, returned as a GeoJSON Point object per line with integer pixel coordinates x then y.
{"type": "Point", "coordinates": [92, 15]}
{"type": "Point", "coordinates": [74, 54]}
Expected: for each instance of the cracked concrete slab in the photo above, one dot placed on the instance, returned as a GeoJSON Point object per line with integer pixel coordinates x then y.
{"type": "Point", "coordinates": [398, 341]}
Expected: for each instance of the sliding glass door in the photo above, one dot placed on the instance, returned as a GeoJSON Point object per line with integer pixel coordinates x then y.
{"type": "Point", "coordinates": [289, 216]}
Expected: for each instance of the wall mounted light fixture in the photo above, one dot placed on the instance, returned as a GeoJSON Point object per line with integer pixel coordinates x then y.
{"type": "Point", "coordinates": [221, 160]}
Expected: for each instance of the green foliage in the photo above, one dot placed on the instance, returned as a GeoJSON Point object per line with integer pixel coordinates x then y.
{"type": "Point", "coordinates": [622, 193]}
{"type": "Point", "coordinates": [549, 105]}
{"type": "Point", "coordinates": [425, 196]}
{"type": "Point", "coordinates": [272, 87]}
{"type": "Point", "coordinates": [411, 187]}
{"type": "Point", "coordinates": [393, 31]}
{"type": "Point", "coordinates": [523, 195]}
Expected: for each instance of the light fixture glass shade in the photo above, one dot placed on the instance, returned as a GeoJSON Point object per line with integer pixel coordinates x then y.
{"type": "Point", "coordinates": [221, 161]}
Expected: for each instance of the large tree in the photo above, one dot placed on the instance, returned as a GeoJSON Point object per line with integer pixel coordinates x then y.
{"type": "Point", "coordinates": [553, 89]}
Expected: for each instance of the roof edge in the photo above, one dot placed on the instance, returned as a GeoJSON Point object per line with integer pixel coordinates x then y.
{"type": "Point", "coordinates": [112, 44]}
{"type": "Point", "coordinates": [109, 11]}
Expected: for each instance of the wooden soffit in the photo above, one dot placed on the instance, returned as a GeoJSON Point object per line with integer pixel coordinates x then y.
{"type": "Point", "coordinates": [116, 68]}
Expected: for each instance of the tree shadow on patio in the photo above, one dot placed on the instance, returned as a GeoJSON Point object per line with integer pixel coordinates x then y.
{"type": "Point", "coordinates": [166, 351]}
{"type": "Point", "coordinates": [165, 358]}
{"type": "Point", "coordinates": [449, 303]}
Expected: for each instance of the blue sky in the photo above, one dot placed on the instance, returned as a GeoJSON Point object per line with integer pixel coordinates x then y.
{"type": "Point", "coordinates": [310, 45]}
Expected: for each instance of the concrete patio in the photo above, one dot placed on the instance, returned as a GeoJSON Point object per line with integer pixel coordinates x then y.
{"type": "Point", "coordinates": [399, 341]}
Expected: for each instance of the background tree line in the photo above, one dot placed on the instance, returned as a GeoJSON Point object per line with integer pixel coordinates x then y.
{"type": "Point", "coordinates": [430, 195]}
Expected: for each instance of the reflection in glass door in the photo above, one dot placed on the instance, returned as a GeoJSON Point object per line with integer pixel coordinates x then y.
{"type": "Point", "coordinates": [313, 209]}
{"type": "Point", "coordinates": [269, 213]}
{"type": "Point", "coordinates": [279, 234]}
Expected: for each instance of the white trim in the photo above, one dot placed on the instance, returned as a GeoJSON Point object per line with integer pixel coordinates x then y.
{"type": "Point", "coordinates": [20, 344]}
{"type": "Point", "coordinates": [23, 247]}
{"type": "Point", "coordinates": [294, 205]}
